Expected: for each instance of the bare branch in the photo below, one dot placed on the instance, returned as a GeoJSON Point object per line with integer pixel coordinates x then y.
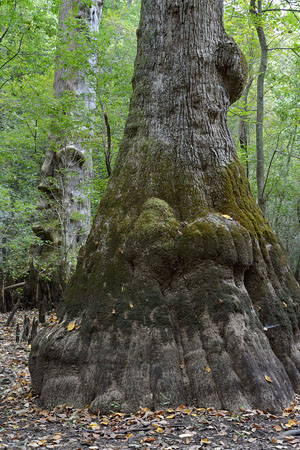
{"type": "Point", "coordinates": [285, 48]}
{"type": "Point", "coordinates": [281, 9]}
{"type": "Point", "coordinates": [14, 286]}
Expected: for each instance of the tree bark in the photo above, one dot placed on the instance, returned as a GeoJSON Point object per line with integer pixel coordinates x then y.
{"type": "Point", "coordinates": [67, 165]}
{"type": "Point", "coordinates": [180, 272]}
{"type": "Point", "coordinates": [260, 157]}
{"type": "Point", "coordinates": [244, 126]}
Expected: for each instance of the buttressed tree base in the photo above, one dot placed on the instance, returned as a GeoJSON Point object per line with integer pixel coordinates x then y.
{"type": "Point", "coordinates": [181, 272]}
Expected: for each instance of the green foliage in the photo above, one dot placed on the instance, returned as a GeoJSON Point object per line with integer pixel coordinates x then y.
{"type": "Point", "coordinates": [116, 52]}
{"type": "Point", "coordinates": [281, 136]}
{"type": "Point", "coordinates": [30, 51]}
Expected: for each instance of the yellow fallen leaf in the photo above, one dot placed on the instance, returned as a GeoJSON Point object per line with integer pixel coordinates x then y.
{"type": "Point", "coordinates": [71, 326]}
{"type": "Point", "coordinates": [227, 216]}
{"type": "Point", "coordinates": [56, 437]}
{"type": "Point", "coordinates": [171, 416]}
{"type": "Point", "coordinates": [205, 441]}
{"type": "Point", "coordinates": [268, 379]}
{"type": "Point", "coordinates": [104, 422]}
{"type": "Point", "coordinates": [159, 430]}
{"type": "Point", "coordinates": [284, 304]}
{"type": "Point", "coordinates": [94, 426]}
{"type": "Point", "coordinates": [187, 411]}
{"type": "Point", "coordinates": [292, 423]}
{"type": "Point", "coordinates": [42, 443]}
{"type": "Point", "coordinates": [129, 435]}
{"type": "Point", "coordinates": [208, 369]}
{"type": "Point", "coordinates": [131, 305]}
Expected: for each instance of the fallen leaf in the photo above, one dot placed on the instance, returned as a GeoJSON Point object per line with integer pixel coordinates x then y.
{"type": "Point", "coordinates": [290, 408]}
{"type": "Point", "coordinates": [159, 430]}
{"type": "Point", "coordinates": [284, 304]}
{"type": "Point", "coordinates": [149, 439]}
{"type": "Point", "coordinates": [104, 422]}
{"type": "Point", "coordinates": [56, 437]}
{"type": "Point", "coordinates": [131, 305]}
{"type": "Point", "coordinates": [277, 428]}
{"type": "Point", "coordinates": [268, 379]}
{"type": "Point", "coordinates": [94, 426]}
{"type": "Point", "coordinates": [226, 216]}
{"type": "Point", "coordinates": [205, 441]}
{"type": "Point", "coordinates": [71, 326]}
{"type": "Point", "coordinates": [292, 423]}
{"type": "Point", "coordinates": [207, 369]}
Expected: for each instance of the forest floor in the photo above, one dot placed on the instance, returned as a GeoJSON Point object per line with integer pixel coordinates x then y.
{"type": "Point", "coordinates": [24, 425]}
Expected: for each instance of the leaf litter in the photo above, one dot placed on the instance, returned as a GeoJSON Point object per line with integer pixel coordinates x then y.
{"type": "Point", "coordinates": [24, 425]}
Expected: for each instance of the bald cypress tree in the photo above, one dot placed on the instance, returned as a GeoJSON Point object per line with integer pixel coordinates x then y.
{"type": "Point", "coordinates": [181, 279]}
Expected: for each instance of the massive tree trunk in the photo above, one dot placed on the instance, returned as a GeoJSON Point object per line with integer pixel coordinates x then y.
{"type": "Point", "coordinates": [181, 272]}
{"type": "Point", "coordinates": [66, 169]}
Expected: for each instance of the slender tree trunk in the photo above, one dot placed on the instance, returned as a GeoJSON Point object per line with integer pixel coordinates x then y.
{"type": "Point", "coordinates": [244, 126]}
{"type": "Point", "coordinates": [181, 276]}
{"type": "Point", "coordinates": [67, 165]}
{"type": "Point", "coordinates": [260, 157]}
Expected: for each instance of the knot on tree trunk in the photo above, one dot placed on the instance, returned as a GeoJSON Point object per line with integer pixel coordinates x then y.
{"type": "Point", "coordinates": [232, 66]}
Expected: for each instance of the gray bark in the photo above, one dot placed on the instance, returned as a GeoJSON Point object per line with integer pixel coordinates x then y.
{"type": "Point", "coordinates": [244, 126]}
{"type": "Point", "coordinates": [180, 272]}
{"type": "Point", "coordinates": [260, 157]}
{"type": "Point", "coordinates": [67, 165]}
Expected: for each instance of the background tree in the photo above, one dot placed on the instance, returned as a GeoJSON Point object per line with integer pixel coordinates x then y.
{"type": "Point", "coordinates": [67, 165]}
{"type": "Point", "coordinates": [181, 274]}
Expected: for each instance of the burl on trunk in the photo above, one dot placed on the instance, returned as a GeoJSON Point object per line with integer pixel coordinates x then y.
{"type": "Point", "coordinates": [181, 272]}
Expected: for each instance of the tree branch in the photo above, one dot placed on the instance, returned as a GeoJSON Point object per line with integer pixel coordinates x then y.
{"type": "Point", "coordinates": [8, 26]}
{"type": "Point", "coordinates": [16, 54]}
{"type": "Point", "coordinates": [285, 48]}
{"type": "Point", "coordinates": [281, 9]}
